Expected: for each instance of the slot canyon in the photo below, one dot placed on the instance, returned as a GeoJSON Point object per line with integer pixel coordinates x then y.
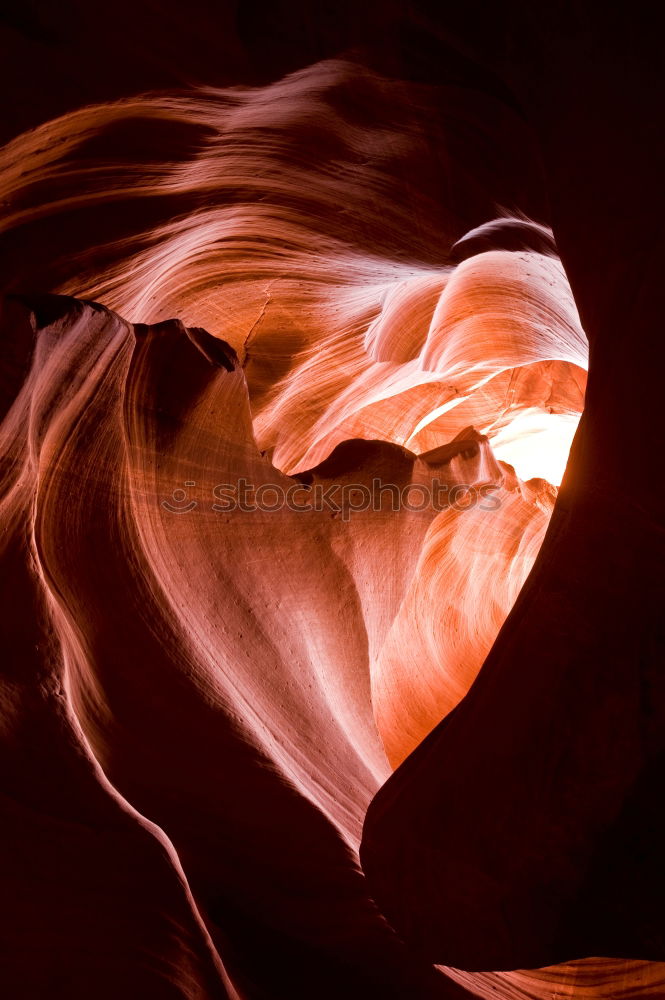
{"type": "Point", "coordinates": [332, 538]}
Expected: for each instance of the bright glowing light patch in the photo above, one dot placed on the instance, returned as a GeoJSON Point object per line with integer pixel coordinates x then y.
{"type": "Point", "coordinates": [537, 444]}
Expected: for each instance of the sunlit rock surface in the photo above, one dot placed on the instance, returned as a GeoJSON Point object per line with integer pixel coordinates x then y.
{"type": "Point", "coordinates": [203, 706]}
{"type": "Point", "coordinates": [221, 669]}
{"type": "Point", "coordinates": [284, 220]}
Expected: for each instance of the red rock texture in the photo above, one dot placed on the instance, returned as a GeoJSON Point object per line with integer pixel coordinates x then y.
{"type": "Point", "coordinates": [394, 253]}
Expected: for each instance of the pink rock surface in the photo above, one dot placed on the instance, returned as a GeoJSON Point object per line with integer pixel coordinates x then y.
{"type": "Point", "coordinates": [210, 715]}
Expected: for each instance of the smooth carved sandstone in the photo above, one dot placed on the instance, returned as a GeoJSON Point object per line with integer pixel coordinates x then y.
{"type": "Point", "coordinates": [402, 703]}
